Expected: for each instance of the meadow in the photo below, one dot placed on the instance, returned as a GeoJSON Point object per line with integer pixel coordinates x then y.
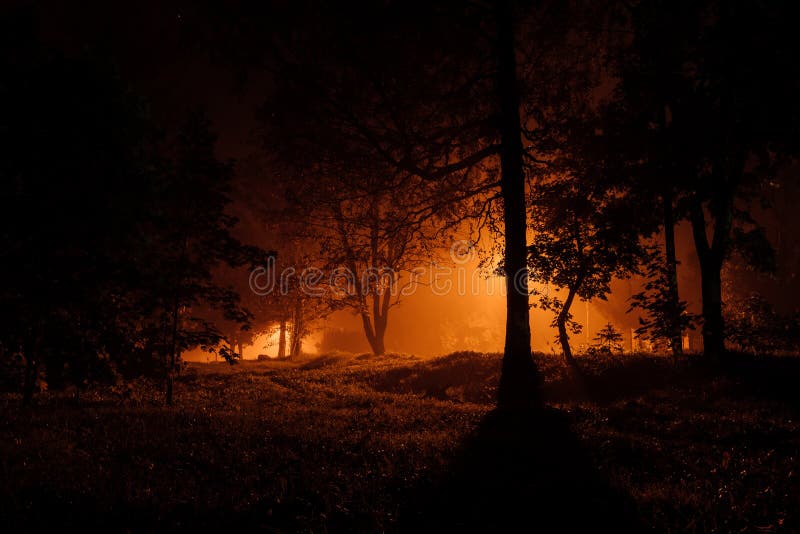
{"type": "Point", "coordinates": [345, 442]}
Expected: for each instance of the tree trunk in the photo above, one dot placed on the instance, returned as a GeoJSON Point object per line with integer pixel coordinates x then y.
{"type": "Point", "coordinates": [519, 379]}
{"type": "Point", "coordinates": [672, 275]}
{"type": "Point", "coordinates": [30, 348]}
{"type": "Point", "coordinates": [711, 257]}
{"type": "Point", "coordinates": [297, 330]}
{"type": "Point", "coordinates": [297, 347]}
{"type": "Point", "coordinates": [172, 353]}
{"type": "Point", "coordinates": [170, 385]}
{"type": "Point", "coordinates": [377, 344]}
{"type": "Point", "coordinates": [374, 336]}
{"type": "Point", "coordinates": [561, 322]}
{"type": "Point", "coordinates": [29, 380]}
{"type": "Point", "coordinates": [282, 339]}
{"type": "Point", "coordinates": [713, 324]}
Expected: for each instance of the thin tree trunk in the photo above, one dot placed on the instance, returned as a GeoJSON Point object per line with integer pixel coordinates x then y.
{"type": "Point", "coordinates": [29, 379]}
{"type": "Point", "coordinates": [172, 353]}
{"type": "Point", "coordinates": [297, 330]}
{"type": "Point", "coordinates": [282, 339]}
{"type": "Point", "coordinates": [561, 322]}
{"type": "Point", "coordinates": [380, 309]}
{"type": "Point", "coordinates": [672, 274]}
{"type": "Point", "coordinates": [519, 379]}
{"type": "Point", "coordinates": [31, 352]}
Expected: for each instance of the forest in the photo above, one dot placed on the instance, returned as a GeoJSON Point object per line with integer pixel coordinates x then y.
{"type": "Point", "coordinates": [399, 265]}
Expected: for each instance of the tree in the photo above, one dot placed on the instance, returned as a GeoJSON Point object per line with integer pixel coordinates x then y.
{"type": "Point", "coordinates": [362, 240]}
{"type": "Point", "coordinates": [756, 327]}
{"type": "Point", "coordinates": [292, 290]}
{"type": "Point", "coordinates": [665, 316]}
{"type": "Point", "coordinates": [435, 94]}
{"type": "Point", "coordinates": [74, 172]}
{"type": "Point", "coordinates": [609, 339]}
{"type": "Point", "coordinates": [190, 233]}
{"type": "Point", "coordinates": [519, 378]}
{"type": "Point", "coordinates": [584, 236]}
{"type": "Point", "coordinates": [716, 106]}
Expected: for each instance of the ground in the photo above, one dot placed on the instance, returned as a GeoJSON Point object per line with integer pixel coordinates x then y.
{"type": "Point", "coordinates": [363, 443]}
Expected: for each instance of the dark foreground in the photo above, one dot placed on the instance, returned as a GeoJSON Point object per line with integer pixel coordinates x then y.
{"type": "Point", "coordinates": [359, 443]}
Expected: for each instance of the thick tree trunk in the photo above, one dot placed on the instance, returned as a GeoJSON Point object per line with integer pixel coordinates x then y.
{"type": "Point", "coordinates": [379, 348]}
{"type": "Point", "coordinates": [377, 345]}
{"type": "Point", "coordinates": [672, 274]}
{"type": "Point", "coordinates": [375, 325]}
{"type": "Point", "coordinates": [711, 257]}
{"type": "Point", "coordinates": [519, 379]}
{"type": "Point", "coordinates": [282, 339]}
{"type": "Point", "coordinates": [713, 324]}
{"type": "Point", "coordinates": [374, 333]}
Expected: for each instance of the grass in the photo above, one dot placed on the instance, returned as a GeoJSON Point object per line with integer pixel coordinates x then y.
{"type": "Point", "coordinates": [346, 442]}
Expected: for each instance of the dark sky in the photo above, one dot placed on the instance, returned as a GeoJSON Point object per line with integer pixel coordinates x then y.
{"type": "Point", "coordinates": [167, 52]}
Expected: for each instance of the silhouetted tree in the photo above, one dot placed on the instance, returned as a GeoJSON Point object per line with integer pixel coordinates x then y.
{"type": "Point", "coordinates": [584, 235]}
{"type": "Point", "coordinates": [755, 326]}
{"type": "Point", "coordinates": [665, 316]}
{"type": "Point", "coordinates": [708, 90]}
{"type": "Point", "coordinates": [609, 339]}
{"type": "Point", "coordinates": [110, 236]}
{"type": "Point", "coordinates": [75, 169]}
{"type": "Point", "coordinates": [442, 96]}
{"type": "Point", "coordinates": [191, 235]}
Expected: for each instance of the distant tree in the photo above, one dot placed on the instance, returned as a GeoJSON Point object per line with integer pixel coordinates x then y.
{"type": "Point", "coordinates": [609, 339]}
{"type": "Point", "coordinates": [289, 291]}
{"type": "Point", "coordinates": [584, 235]}
{"type": "Point", "coordinates": [365, 240]}
{"type": "Point", "coordinates": [664, 316]}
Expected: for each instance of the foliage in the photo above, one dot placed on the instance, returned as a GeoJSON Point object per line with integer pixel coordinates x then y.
{"type": "Point", "coordinates": [663, 316]}
{"type": "Point", "coordinates": [609, 339]}
{"type": "Point", "coordinates": [111, 230]}
{"type": "Point", "coordinates": [583, 238]}
{"type": "Point", "coordinates": [704, 113]}
{"type": "Point", "coordinates": [754, 325]}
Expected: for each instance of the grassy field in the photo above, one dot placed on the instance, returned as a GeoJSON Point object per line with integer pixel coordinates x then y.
{"type": "Point", "coordinates": [360, 443]}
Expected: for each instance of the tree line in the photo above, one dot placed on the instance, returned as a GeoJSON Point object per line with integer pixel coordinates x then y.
{"type": "Point", "coordinates": [576, 134]}
{"type": "Point", "coordinates": [112, 228]}
{"type": "Point", "coordinates": [580, 133]}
